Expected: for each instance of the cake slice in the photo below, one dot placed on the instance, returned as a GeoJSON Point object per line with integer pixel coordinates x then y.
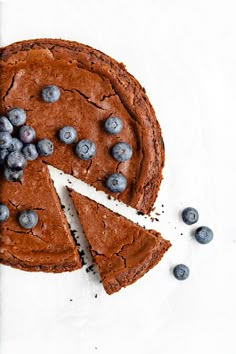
{"type": "Point", "coordinates": [49, 246]}
{"type": "Point", "coordinates": [122, 250]}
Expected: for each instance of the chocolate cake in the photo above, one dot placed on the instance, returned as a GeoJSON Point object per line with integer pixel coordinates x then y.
{"type": "Point", "coordinates": [91, 88]}
{"type": "Point", "coordinates": [122, 250]}
{"type": "Point", "coordinates": [49, 246]}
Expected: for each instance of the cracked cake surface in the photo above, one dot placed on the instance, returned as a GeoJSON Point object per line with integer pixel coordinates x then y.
{"type": "Point", "coordinates": [93, 87]}
{"type": "Point", "coordinates": [122, 250]}
{"type": "Point", "coordinates": [49, 246]}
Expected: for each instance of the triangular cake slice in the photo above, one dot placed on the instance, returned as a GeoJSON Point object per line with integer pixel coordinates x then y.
{"type": "Point", "coordinates": [49, 246]}
{"type": "Point", "coordinates": [122, 250]}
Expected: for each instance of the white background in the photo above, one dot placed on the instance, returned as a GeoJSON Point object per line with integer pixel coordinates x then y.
{"type": "Point", "coordinates": [183, 53]}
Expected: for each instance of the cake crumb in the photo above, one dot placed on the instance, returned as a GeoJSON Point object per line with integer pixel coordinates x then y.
{"type": "Point", "coordinates": [71, 300]}
{"type": "Point", "coordinates": [140, 213]}
{"type": "Point", "coordinates": [96, 295]}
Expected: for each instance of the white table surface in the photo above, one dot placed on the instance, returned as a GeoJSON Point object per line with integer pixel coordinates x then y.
{"type": "Point", "coordinates": [183, 53]}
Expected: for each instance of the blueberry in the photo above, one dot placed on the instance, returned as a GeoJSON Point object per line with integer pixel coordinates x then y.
{"type": "Point", "coordinates": [30, 152]}
{"type": "Point", "coordinates": [85, 149]}
{"type": "Point", "coordinates": [16, 145]}
{"type": "Point", "coordinates": [5, 125]}
{"type": "Point", "coordinates": [3, 155]}
{"type": "Point", "coordinates": [5, 140]}
{"type": "Point", "coordinates": [122, 152]}
{"type": "Point", "coordinates": [17, 116]}
{"type": "Point", "coordinates": [113, 125]}
{"type": "Point", "coordinates": [16, 160]}
{"type": "Point", "coordinates": [50, 93]}
{"type": "Point", "coordinates": [45, 147]}
{"type": "Point", "coordinates": [13, 175]}
{"type": "Point", "coordinates": [28, 219]}
{"type": "Point", "coordinates": [204, 235]}
{"type": "Point", "coordinates": [181, 272]}
{"type": "Point", "coordinates": [190, 216]}
{"type": "Point", "coordinates": [67, 135]}
{"type": "Point", "coordinates": [26, 134]}
{"type": "Point", "coordinates": [116, 183]}
{"type": "Point", "coordinates": [4, 212]}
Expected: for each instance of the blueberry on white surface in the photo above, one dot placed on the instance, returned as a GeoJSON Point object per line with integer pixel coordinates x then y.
{"type": "Point", "coordinates": [28, 219]}
{"type": "Point", "coordinates": [17, 116]}
{"type": "Point", "coordinates": [116, 183]}
{"type": "Point", "coordinates": [85, 149]}
{"type": "Point", "coordinates": [113, 125]}
{"type": "Point", "coordinates": [67, 135]}
{"type": "Point", "coordinates": [204, 235]}
{"type": "Point", "coordinates": [50, 94]}
{"type": "Point", "coordinates": [122, 152]}
{"type": "Point", "coordinates": [190, 216]}
{"type": "Point", "coordinates": [4, 212]}
{"type": "Point", "coordinates": [181, 272]}
{"type": "Point", "coordinates": [45, 147]}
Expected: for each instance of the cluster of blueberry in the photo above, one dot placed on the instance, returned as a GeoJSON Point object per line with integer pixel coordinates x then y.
{"type": "Point", "coordinates": [85, 149]}
{"type": "Point", "coordinates": [15, 151]}
{"type": "Point", "coordinates": [202, 234]}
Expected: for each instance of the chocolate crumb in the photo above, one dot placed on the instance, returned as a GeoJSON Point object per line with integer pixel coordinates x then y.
{"type": "Point", "coordinates": [140, 213]}
{"type": "Point", "coordinates": [73, 232]}
{"type": "Point", "coordinates": [96, 295]}
{"type": "Point", "coordinates": [62, 206]}
{"type": "Point", "coordinates": [109, 197]}
{"type": "Point", "coordinates": [90, 268]}
{"type": "Point", "coordinates": [181, 234]}
{"type": "Point", "coordinates": [71, 300]}
{"type": "Point", "coordinates": [163, 211]}
{"type": "Point", "coordinates": [162, 205]}
{"type": "Point", "coordinates": [81, 253]}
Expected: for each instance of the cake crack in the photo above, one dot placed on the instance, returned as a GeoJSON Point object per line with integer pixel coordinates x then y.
{"type": "Point", "coordinates": [10, 87]}
{"type": "Point", "coordinates": [88, 99]}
